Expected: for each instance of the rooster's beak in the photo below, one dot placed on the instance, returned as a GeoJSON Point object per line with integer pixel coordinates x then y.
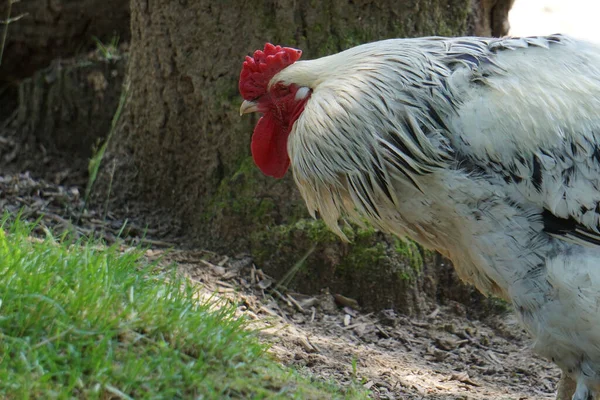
{"type": "Point", "coordinates": [248, 107]}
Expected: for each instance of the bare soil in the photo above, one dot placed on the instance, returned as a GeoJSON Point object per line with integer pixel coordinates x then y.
{"type": "Point", "coordinates": [443, 355]}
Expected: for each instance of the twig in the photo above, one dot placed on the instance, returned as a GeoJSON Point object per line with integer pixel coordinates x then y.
{"type": "Point", "coordinates": [6, 23]}
{"type": "Point", "coordinates": [295, 303]}
{"type": "Point", "coordinates": [282, 297]}
{"type": "Point", "coordinates": [5, 32]}
{"type": "Point", "coordinates": [113, 390]}
{"type": "Point", "coordinates": [14, 19]}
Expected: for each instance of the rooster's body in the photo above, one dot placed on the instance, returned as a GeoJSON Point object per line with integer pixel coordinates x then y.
{"type": "Point", "coordinates": [486, 150]}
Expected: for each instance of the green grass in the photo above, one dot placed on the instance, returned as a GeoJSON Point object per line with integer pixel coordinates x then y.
{"type": "Point", "coordinates": [78, 320]}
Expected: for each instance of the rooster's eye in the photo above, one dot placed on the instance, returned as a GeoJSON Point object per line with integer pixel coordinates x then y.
{"type": "Point", "coordinates": [282, 90]}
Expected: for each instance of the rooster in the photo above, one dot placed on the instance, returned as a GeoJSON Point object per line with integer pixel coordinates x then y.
{"type": "Point", "coordinates": [486, 150]}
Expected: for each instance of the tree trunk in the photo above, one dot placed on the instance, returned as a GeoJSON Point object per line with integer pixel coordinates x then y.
{"type": "Point", "coordinates": [50, 29]}
{"type": "Point", "coordinates": [185, 150]}
{"type": "Point", "coordinates": [63, 113]}
{"type": "Point", "coordinates": [490, 17]}
{"type": "Point", "coordinates": [42, 37]}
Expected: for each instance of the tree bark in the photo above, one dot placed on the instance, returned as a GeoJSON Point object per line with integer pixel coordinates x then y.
{"type": "Point", "coordinates": [63, 114]}
{"type": "Point", "coordinates": [184, 149]}
{"type": "Point", "coordinates": [490, 17]}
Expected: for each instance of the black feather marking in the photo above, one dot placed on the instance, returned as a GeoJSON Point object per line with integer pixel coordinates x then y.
{"type": "Point", "coordinates": [536, 270]}
{"type": "Point", "coordinates": [365, 178]}
{"type": "Point", "coordinates": [496, 166]}
{"type": "Point", "coordinates": [515, 178]}
{"type": "Point", "coordinates": [586, 237]}
{"type": "Point", "coordinates": [407, 102]}
{"type": "Point", "coordinates": [568, 175]}
{"type": "Point", "coordinates": [445, 84]}
{"type": "Point", "coordinates": [363, 195]}
{"type": "Point", "coordinates": [448, 99]}
{"type": "Point", "coordinates": [555, 38]}
{"type": "Point", "coordinates": [385, 104]}
{"type": "Point", "coordinates": [596, 154]}
{"type": "Point", "coordinates": [547, 154]}
{"type": "Point", "coordinates": [429, 84]}
{"type": "Point", "coordinates": [537, 174]}
{"type": "Point", "coordinates": [380, 177]}
{"type": "Point", "coordinates": [433, 113]}
{"type": "Point", "coordinates": [568, 227]}
{"type": "Point", "coordinates": [381, 182]}
{"type": "Point", "coordinates": [397, 142]}
{"type": "Point", "coordinates": [400, 166]}
{"type": "Point", "coordinates": [557, 225]}
{"type": "Point", "coordinates": [401, 163]}
{"type": "Point", "coordinates": [467, 58]}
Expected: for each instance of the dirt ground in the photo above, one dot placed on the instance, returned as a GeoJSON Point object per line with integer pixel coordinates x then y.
{"type": "Point", "coordinates": [442, 356]}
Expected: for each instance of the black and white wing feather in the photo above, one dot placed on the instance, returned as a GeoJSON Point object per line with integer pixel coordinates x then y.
{"type": "Point", "coordinates": [530, 119]}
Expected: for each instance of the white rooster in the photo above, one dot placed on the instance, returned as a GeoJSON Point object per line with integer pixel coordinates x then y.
{"type": "Point", "coordinates": [486, 150]}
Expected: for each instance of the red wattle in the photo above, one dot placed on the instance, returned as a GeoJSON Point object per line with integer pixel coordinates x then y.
{"type": "Point", "coordinates": [269, 147]}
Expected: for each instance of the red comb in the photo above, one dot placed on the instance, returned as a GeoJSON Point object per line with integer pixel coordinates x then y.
{"type": "Point", "coordinates": [262, 66]}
